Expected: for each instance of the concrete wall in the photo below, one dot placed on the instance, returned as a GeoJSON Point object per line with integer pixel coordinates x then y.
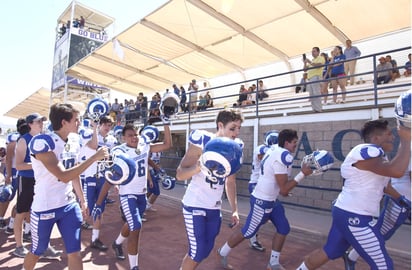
{"type": "Point", "coordinates": [338, 137]}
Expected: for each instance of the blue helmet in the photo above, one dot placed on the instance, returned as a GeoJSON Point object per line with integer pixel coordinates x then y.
{"type": "Point", "coordinates": [87, 123]}
{"type": "Point", "coordinates": [151, 133]}
{"type": "Point", "coordinates": [6, 193]}
{"type": "Point", "coordinates": [262, 149]}
{"type": "Point", "coordinates": [221, 158]}
{"type": "Point", "coordinates": [97, 108]}
{"type": "Point", "coordinates": [321, 160]}
{"type": "Point", "coordinates": [271, 137]}
{"type": "Point", "coordinates": [117, 130]}
{"type": "Point", "coordinates": [403, 109]}
{"type": "Point", "coordinates": [121, 171]}
{"type": "Point", "coordinates": [168, 182]}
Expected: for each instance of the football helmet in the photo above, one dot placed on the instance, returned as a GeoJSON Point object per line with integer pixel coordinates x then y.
{"type": "Point", "coordinates": [117, 131]}
{"type": "Point", "coordinates": [169, 105]}
{"type": "Point", "coordinates": [221, 158]}
{"type": "Point", "coordinates": [97, 108]}
{"type": "Point", "coordinates": [403, 109]}
{"type": "Point", "coordinates": [6, 193]}
{"type": "Point", "coordinates": [262, 149]}
{"type": "Point", "coordinates": [321, 160]}
{"type": "Point", "coordinates": [271, 137]}
{"type": "Point", "coordinates": [121, 171]}
{"type": "Point", "coordinates": [151, 132]}
{"type": "Point", "coordinates": [168, 182]}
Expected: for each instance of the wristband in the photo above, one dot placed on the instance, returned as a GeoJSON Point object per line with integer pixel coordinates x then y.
{"type": "Point", "coordinates": [299, 177]}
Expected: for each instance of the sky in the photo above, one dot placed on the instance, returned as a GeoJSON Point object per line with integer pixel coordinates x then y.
{"type": "Point", "coordinates": [28, 37]}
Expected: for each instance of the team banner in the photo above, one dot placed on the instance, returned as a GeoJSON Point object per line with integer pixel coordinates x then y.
{"type": "Point", "coordinates": [61, 51]}
{"type": "Point", "coordinates": [82, 43]}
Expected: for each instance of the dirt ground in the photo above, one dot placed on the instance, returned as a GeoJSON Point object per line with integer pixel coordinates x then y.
{"type": "Point", "coordinates": [163, 245]}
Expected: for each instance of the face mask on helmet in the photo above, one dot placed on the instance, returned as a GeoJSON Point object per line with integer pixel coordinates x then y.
{"type": "Point", "coordinates": [169, 105]}
{"type": "Point", "coordinates": [320, 160]}
{"type": "Point", "coordinates": [403, 109]}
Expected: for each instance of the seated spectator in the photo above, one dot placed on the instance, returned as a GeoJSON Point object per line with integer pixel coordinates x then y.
{"type": "Point", "coordinates": [209, 100]}
{"type": "Point", "coordinates": [261, 94]}
{"type": "Point", "coordinates": [395, 70]}
{"type": "Point", "coordinates": [244, 98]}
{"type": "Point", "coordinates": [302, 86]}
{"type": "Point", "coordinates": [407, 72]}
{"type": "Point", "coordinates": [384, 71]}
{"type": "Point", "coordinates": [202, 103]}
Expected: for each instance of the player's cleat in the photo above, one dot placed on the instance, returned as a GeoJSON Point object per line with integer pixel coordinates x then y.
{"type": "Point", "coordinates": [20, 252]}
{"type": "Point", "coordinates": [144, 219]}
{"type": "Point", "coordinates": [27, 237]}
{"type": "Point", "coordinates": [3, 224]}
{"type": "Point", "coordinates": [349, 264]}
{"type": "Point", "coordinates": [118, 250]}
{"type": "Point", "coordinates": [51, 254]}
{"type": "Point", "coordinates": [86, 226]}
{"type": "Point", "coordinates": [257, 246]}
{"type": "Point", "coordinates": [275, 267]}
{"type": "Point", "coordinates": [9, 231]}
{"type": "Point", "coordinates": [97, 244]}
{"type": "Point", "coordinates": [223, 261]}
{"type": "Point", "coordinates": [135, 268]}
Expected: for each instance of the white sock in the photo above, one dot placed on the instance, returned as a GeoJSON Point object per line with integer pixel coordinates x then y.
{"type": "Point", "coordinates": [225, 250]}
{"type": "Point", "coordinates": [11, 223]}
{"type": "Point", "coordinates": [302, 267]}
{"type": "Point", "coordinates": [274, 257]}
{"type": "Point", "coordinates": [253, 239]}
{"type": "Point", "coordinates": [120, 239]}
{"type": "Point", "coordinates": [95, 234]}
{"type": "Point", "coordinates": [133, 260]}
{"type": "Point", "coordinates": [26, 227]}
{"type": "Point", "coordinates": [353, 255]}
{"type": "Point", "coordinates": [148, 205]}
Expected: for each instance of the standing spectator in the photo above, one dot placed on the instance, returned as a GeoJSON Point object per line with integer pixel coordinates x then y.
{"type": "Point", "coordinates": [383, 71]}
{"type": "Point", "coordinates": [261, 91]}
{"type": "Point", "coordinates": [116, 109]}
{"type": "Point", "coordinates": [193, 88]}
{"type": "Point", "coordinates": [143, 107]}
{"type": "Point", "coordinates": [407, 72]}
{"type": "Point", "coordinates": [62, 30]}
{"type": "Point", "coordinates": [351, 53]}
{"type": "Point", "coordinates": [366, 171]}
{"type": "Point", "coordinates": [183, 99]}
{"type": "Point", "coordinates": [314, 70]}
{"type": "Point", "coordinates": [395, 71]}
{"type": "Point", "coordinates": [202, 199]}
{"type": "Point", "coordinates": [56, 167]}
{"type": "Point", "coordinates": [176, 90]}
{"type": "Point", "coordinates": [82, 22]}
{"type": "Point", "coordinates": [337, 74]}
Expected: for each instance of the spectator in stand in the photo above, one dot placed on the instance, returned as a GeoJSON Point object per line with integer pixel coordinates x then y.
{"type": "Point", "coordinates": [384, 71]}
{"type": "Point", "coordinates": [243, 97]}
{"type": "Point", "coordinates": [202, 103]}
{"type": "Point", "coordinates": [62, 29]}
{"type": "Point", "coordinates": [116, 109]}
{"type": "Point", "coordinates": [154, 114]}
{"type": "Point", "coordinates": [395, 71]}
{"type": "Point", "coordinates": [337, 74]}
{"type": "Point", "coordinates": [314, 69]}
{"type": "Point", "coordinates": [407, 72]}
{"type": "Point", "coordinates": [325, 76]}
{"type": "Point", "coordinates": [176, 90]}
{"type": "Point", "coordinates": [76, 23]}
{"type": "Point", "coordinates": [193, 88]}
{"type": "Point", "coordinates": [183, 99]}
{"type": "Point", "coordinates": [351, 53]}
{"type": "Point", "coordinates": [261, 93]}
{"type": "Point", "coordinates": [209, 100]}
{"type": "Point", "coordinates": [301, 88]}
{"type": "Point", "coordinates": [143, 107]}
{"type": "Point", "coordinates": [82, 22]}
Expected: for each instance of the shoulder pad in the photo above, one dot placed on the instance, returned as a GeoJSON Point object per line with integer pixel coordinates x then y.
{"type": "Point", "coordinates": [370, 151]}
{"type": "Point", "coordinates": [118, 150]}
{"type": "Point", "coordinates": [86, 134]}
{"type": "Point", "coordinates": [199, 138]}
{"type": "Point", "coordinates": [41, 143]}
{"type": "Point", "coordinates": [12, 137]}
{"type": "Point", "coordinates": [284, 156]}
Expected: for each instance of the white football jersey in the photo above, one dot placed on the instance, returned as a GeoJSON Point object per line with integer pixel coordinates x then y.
{"type": "Point", "coordinates": [254, 176]}
{"type": "Point", "coordinates": [362, 190]}
{"type": "Point", "coordinates": [403, 184]}
{"type": "Point", "coordinates": [140, 155]}
{"type": "Point", "coordinates": [277, 160]}
{"type": "Point", "coordinates": [50, 192]}
{"type": "Point", "coordinates": [201, 192]}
